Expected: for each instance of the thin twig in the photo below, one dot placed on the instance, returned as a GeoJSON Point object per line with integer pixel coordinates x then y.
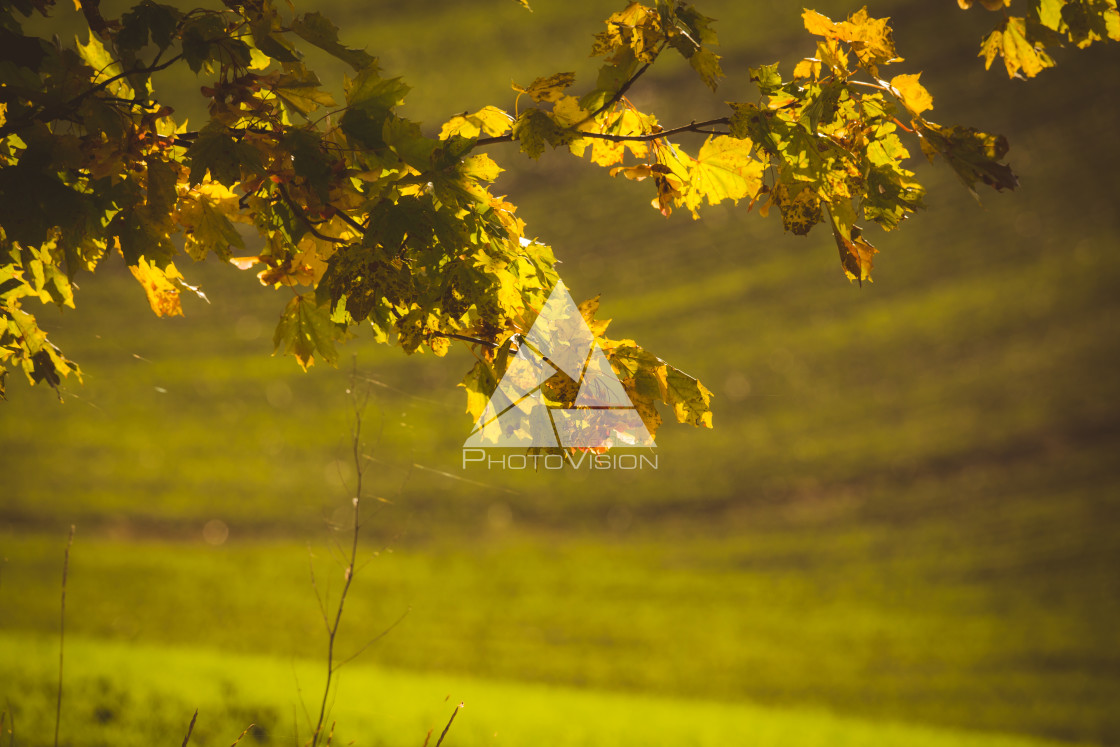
{"type": "Point", "coordinates": [307, 221]}
{"type": "Point", "coordinates": [690, 127]}
{"type": "Point", "coordinates": [465, 338]}
{"type": "Point", "coordinates": [333, 628]}
{"type": "Point", "coordinates": [302, 704]}
{"type": "Point", "coordinates": [348, 220]}
{"type": "Point", "coordinates": [69, 106]}
{"type": "Point", "coordinates": [62, 633]}
{"type": "Point", "coordinates": [190, 728]}
{"type": "Point", "coordinates": [372, 641]}
{"type": "Point", "coordinates": [625, 86]}
{"type": "Point", "coordinates": [315, 587]}
{"type": "Point", "coordinates": [446, 728]}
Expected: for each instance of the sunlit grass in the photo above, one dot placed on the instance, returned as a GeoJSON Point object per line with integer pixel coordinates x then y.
{"type": "Point", "coordinates": [139, 694]}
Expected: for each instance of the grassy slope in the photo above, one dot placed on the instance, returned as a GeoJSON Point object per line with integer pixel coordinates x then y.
{"type": "Point", "coordinates": [114, 695]}
{"type": "Point", "coordinates": [907, 510]}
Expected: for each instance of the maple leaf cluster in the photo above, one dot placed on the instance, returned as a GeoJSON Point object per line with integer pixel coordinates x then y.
{"type": "Point", "coordinates": [363, 220]}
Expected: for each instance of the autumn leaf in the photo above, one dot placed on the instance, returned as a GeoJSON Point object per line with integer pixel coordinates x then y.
{"type": "Point", "coordinates": [203, 215]}
{"type": "Point", "coordinates": [306, 330]}
{"type": "Point", "coordinates": [988, 4]}
{"type": "Point", "coordinates": [690, 400]}
{"type": "Point", "coordinates": [724, 169]}
{"type": "Point", "coordinates": [489, 119]}
{"type": "Point", "coordinates": [549, 89]}
{"type": "Point", "coordinates": [975, 156]}
{"type": "Point", "coordinates": [912, 93]}
{"type": "Point", "coordinates": [317, 30]}
{"type": "Point", "coordinates": [1019, 53]}
{"type": "Point", "coordinates": [587, 310]}
{"type": "Point", "coordinates": [162, 286]}
{"type": "Point", "coordinates": [869, 38]}
{"type": "Point", "coordinates": [800, 207]}
{"type": "Point", "coordinates": [218, 152]}
{"type": "Point", "coordinates": [534, 128]}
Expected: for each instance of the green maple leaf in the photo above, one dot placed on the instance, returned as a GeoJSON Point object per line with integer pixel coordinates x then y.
{"type": "Point", "coordinates": [300, 92]}
{"type": "Point", "coordinates": [207, 228]}
{"type": "Point", "coordinates": [975, 156]}
{"type": "Point", "coordinates": [534, 128]}
{"type": "Point", "coordinates": [270, 44]}
{"type": "Point", "coordinates": [306, 330]}
{"type": "Point", "coordinates": [222, 154]}
{"type": "Point", "coordinates": [315, 29]}
{"type": "Point", "coordinates": [148, 19]}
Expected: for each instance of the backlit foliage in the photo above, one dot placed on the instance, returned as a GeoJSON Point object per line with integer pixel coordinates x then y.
{"type": "Point", "coordinates": [367, 221]}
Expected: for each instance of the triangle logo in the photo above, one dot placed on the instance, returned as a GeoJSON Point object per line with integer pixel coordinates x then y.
{"type": "Point", "coordinates": [517, 414]}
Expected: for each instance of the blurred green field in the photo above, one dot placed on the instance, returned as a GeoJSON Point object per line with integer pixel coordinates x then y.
{"type": "Point", "coordinates": [903, 525]}
{"type": "Point", "coordinates": [115, 682]}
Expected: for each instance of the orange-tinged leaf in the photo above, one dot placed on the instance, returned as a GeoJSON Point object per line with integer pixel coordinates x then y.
{"type": "Point", "coordinates": [634, 173]}
{"type": "Point", "coordinates": [245, 263]}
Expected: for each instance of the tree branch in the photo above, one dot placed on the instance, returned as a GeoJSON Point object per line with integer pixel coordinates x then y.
{"type": "Point", "coordinates": [48, 114]}
{"type": "Point", "coordinates": [690, 127]}
{"type": "Point", "coordinates": [153, 68]}
{"type": "Point", "coordinates": [465, 338]}
{"type": "Point", "coordinates": [625, 86]}
{"type": "Point", "coordinates": [348, 220]}
{"type": "Point", "coordinates": [306, 221]}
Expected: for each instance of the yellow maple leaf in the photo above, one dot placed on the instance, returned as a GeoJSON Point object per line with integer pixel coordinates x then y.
{"type": "Point", "coordinates": [724, 169]}
{"type": "Point", "coordinates": [488, 119]}
{"type": "Point", "coordinates": [912, 93]}
{"type": "Point", "coordinates": [547, 89]}
{"type": "Point", "coordinates": [160, 286]}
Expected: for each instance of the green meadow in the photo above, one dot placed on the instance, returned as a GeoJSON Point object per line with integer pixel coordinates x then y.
{"type": "Point", "coordinates": [904, 528]}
